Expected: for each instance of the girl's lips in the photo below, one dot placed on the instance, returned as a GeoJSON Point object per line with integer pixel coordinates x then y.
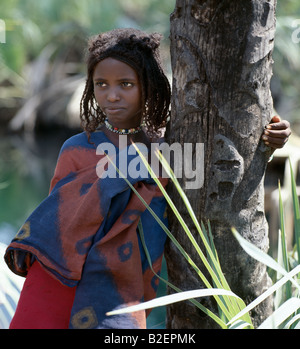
{"type": "Point", "coordinates": [113, 110]}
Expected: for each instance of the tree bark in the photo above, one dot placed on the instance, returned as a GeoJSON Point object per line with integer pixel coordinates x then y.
{"type": "Point", "coordinates": [221, 54]}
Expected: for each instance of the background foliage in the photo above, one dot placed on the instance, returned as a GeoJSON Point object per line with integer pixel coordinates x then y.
{"type": "Point", "coordinates": [32, 25]}
{"type": "Point", "coordinates": [286, 83]}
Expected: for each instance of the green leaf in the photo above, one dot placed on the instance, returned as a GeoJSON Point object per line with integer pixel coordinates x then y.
{"type": "Point", "coordinates": [266, 294]}
{"type": "Point", "coordinates": [196, 303]}
{"type": "Point", "coordinates": [281, 314]}
{"type": "Point", "coordinates": [286, 291]}
{"type": "Point", "coordinates": [290, 323]}
{"type": "Point", "coordinates": [261, 256]}
{"type": "Point", "coordinates": [296, 212]}
{"type": "Point", "coordinates": [170, 299]}
{"type": "Point", "coordinates": [282, 230]}
{"type": "Point", "coordinates": [239, 325]}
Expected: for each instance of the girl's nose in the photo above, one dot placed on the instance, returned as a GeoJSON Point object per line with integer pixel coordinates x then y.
{"type": "Point", "coordinates": [113, 95]}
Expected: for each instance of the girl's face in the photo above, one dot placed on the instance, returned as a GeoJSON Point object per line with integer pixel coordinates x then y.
{"type": "Point", "coordinates": [117, 90]}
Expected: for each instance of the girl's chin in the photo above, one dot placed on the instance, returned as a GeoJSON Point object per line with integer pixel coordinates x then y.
{"type": "Point", "coordinates": [118, 122]}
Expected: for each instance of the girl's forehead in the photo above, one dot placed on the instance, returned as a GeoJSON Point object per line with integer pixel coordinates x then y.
{"type": "Point", "coordinates": [113, 67]}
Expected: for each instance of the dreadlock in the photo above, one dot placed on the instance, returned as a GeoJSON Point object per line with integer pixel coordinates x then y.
{"type": "Point", "coordinates": [139, 50]}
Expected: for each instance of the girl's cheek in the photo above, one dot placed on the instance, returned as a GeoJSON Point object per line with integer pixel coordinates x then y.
{"type": "Point", "coordinates": [98, 96]}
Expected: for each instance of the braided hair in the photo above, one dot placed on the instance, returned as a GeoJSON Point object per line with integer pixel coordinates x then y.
{"type": "Point", "coordinates": [139, 50]}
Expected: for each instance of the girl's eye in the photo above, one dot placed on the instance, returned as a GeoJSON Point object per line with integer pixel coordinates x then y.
{"type": "Point", "coordinates": [127, 84]}
{"type": "Point", "coordinates": [100, 84]}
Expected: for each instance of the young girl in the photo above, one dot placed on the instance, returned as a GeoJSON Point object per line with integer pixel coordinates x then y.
{"type": "Point", "coordinates": [80, 250]}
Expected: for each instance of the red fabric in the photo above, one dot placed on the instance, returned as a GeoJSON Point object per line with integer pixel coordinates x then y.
{"type": "Point", "coordinates": [44, 302]}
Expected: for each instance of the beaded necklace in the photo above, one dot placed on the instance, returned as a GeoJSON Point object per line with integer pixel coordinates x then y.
{"type": "Point", "coordinates": [123, 131]}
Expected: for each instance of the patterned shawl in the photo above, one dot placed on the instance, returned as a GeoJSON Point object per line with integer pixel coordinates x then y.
{"type": "Point", "coordinates": [85, 234]}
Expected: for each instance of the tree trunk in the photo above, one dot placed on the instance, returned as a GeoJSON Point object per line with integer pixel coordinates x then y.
{"type": "Point", "coordinates": [222, 65]}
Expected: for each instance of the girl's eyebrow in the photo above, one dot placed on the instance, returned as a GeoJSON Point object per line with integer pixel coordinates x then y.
{"type": "Point", "coordinates": [119, 80]}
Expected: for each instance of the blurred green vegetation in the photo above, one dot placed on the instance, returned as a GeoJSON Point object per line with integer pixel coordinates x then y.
{"type": "Point", "coordinates": [286, 70]}
{"type": "Point", "coordinates": [45, 43]}
{"type": "Point", "coordinates": [57, 30]}
{"type": "Point", "coordinates": [31, 24]}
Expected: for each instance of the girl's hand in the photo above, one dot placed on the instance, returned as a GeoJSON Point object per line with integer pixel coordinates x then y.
{"type": "Point", "coordinates": [277, 133]}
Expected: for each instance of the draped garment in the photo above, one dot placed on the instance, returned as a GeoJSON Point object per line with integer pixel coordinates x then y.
{"type": "Point", "coordinates": [85, 234]}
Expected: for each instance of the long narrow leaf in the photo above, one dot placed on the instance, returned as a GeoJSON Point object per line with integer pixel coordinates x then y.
{"type": "Point", "coordinates": [170, 299]}
{"type": "Point", "coordinates": [239, 325]}
{"type": "Point", "coordinates": [196, 303]}
{"type": "Point", "coordinates": [266, 294]}
{"type": "Point", "coordinates": [290, 323]}
{"type": "Point", "coordinates": [282, 230]}
{"type": "Point", "coordinates": [211, 253]}
{"type": "Point", "coordinates": [286, 291]}
{"type": "Point", "coordinates": [281, 314]}
{"type": "Point", "coordinates": [261, 256]}
{"type": "Point", "coordinates": [296, 212]}
{"type": "Point", "coordinates": [182, 222]}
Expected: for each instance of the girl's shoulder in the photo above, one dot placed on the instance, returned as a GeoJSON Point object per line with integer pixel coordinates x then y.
{"type": "Point", "coordinates": [81, 140]}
